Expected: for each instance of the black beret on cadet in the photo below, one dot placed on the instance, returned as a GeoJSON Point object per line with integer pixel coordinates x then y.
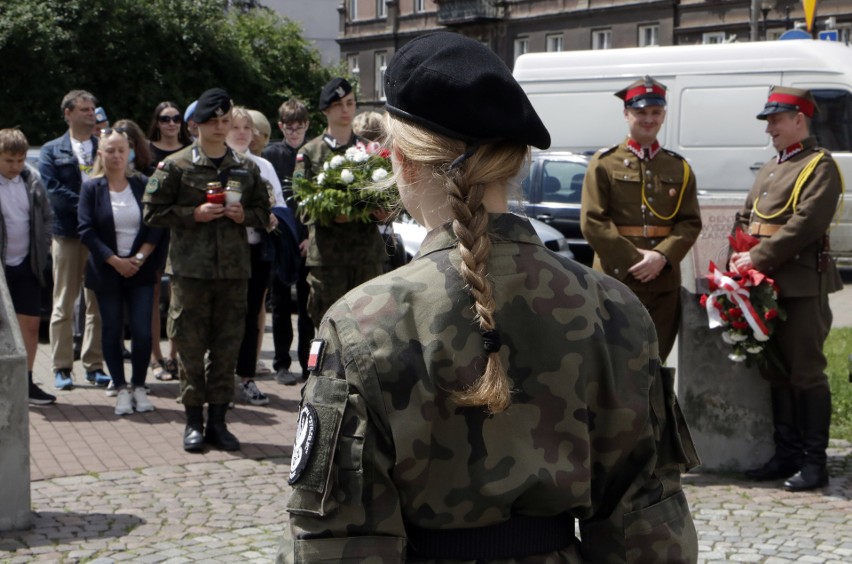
{"type": "Point", "coordinates": [458, 87]}
{"type": "Point", "coordinates": [335, 90]}
{"type": "Point", "coordinates": [212, 103]}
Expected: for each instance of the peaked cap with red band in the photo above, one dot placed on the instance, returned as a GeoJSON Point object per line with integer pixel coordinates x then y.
{"type": "Point", "coordinates": [782, 99]}
{"type": "Point", "coordinates": [644, 92]}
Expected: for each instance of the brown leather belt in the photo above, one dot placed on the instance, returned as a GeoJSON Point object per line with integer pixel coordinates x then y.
{"type": "Point", "coordinates": [650, 231]}
{"type": "Point", "coordinates": [763, 229]}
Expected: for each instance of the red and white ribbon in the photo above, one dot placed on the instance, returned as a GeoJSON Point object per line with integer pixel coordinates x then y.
{"type": "Point", "coordinates": [722, 284]}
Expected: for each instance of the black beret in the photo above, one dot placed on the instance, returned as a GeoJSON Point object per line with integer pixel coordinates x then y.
{"type": "Point", "coordinates": [212, 103]}
{"type": "Point", "coordinates": [456, 86]}
{"type": "Point", "coordinates": [335, 90]}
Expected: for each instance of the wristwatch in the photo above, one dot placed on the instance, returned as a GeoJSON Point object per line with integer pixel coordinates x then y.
{"type": "Point", "coordinates": [140, 257]}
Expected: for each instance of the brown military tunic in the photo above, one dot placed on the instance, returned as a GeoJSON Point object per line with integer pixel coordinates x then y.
{"type": "Point", "coordinates": [791, 241]}
{"type": "Point", "coordinates": [613, 191]}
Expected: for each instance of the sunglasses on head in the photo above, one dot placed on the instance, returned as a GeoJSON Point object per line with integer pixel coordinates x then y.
{"type": "Point", "coordinates": [166, 119]}
{"type": "Point", "coordinates": [106, 132]}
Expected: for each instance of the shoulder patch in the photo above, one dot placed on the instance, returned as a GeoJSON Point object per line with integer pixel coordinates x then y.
{"type": "Point", "coordinates": [315, 354]}
{"type": "Point", "coordinates": [607, 150]}
{"type": "Point", "coordinates": [300, 157]}
{"type": "Point", "coordinates": [306, 434]}
{"type": "Point", "coordinates": [153, 184]}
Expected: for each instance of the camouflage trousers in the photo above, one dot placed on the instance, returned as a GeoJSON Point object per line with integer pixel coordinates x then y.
{"type": "Point", "coordinates": [206, 322]}
{"type": "Point", "coordinates": [329, 283]}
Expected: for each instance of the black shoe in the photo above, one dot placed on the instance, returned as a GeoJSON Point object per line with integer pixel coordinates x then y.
{"type": "Point", "coordinates": [39, 396]}
{"type": "Point", "coordinates": [216, 433]}
{"type": "Point", "coordinates": [193, 434]}
{"type": "Point", "coordinates": [284, 376]}
{"type": "Point", "coordinates": [775, 469]}
{"type": "Point", "coordinates": [810, 477]}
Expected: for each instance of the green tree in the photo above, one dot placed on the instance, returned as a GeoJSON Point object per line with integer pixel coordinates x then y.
{"type": "Point", "coordinates": [133, 55]}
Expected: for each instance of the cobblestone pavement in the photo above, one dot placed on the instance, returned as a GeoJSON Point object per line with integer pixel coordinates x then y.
{"type": "Point", "coordinates": [109, 489]}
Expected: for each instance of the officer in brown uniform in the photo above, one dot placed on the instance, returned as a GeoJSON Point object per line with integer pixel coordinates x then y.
{"type": "Point", "coordinates": [790, 208]}
{"type": "Point", "coordinates": [640, 210]}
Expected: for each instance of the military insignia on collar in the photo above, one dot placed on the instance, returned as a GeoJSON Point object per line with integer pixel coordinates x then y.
{"type": "Point", "coordinates": [306, 434]}
{"type": "Point", "coordinates": [315, 354]}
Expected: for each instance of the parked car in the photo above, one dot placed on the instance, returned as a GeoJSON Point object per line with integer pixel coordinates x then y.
{"type": "Point", "coordinates": [552, 192]}
{"type": "Point", "coordinates": [412, 234]}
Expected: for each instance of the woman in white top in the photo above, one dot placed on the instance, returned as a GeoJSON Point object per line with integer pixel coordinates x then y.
{"type": "Point", "coordinates": [110, 225]}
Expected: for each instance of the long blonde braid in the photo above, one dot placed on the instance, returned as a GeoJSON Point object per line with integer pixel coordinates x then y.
{"type": "Point", "coordinates": [465, 189]}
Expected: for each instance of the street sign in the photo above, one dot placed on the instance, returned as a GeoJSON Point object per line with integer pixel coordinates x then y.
{"type": "Point", "coordinates": [795, 34]}
{"type": "Point", "coordinates": [829, 35]}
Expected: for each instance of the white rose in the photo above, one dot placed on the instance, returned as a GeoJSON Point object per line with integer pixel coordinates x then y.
{"type": "Point", "coordinates": [320, 178]}
{"type": "Point", "coordinates": [379, 174]}
{"type": "Point", "coordinates": [737, 357]}
{"type": "Point", "coordinates": [754, 350]}
{"type": "Point", "coordinates": [346, 176]}
{"type": "Point", "coordinates": [726, 337]}
{"type": "Point", "coordinates": [738, 337]}
{"type": "Point", "coordinates": [336, 161]}
{"type": "Point", "coordinates": [360, 157]}
{"type": "Point", "coordinates": [325, 165]}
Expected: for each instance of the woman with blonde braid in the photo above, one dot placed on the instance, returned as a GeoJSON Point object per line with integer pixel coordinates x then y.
{"type": "Point", "coordinates": [475, 403]}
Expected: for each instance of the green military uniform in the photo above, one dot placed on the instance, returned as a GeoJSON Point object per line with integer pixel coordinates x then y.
{"type": "Point", "coordinates": [790, 255]}
{"type": "Point", "coordinates": [654, 196]}
{"type": "Point", "coordinates": [340, 256]}
{"type": "Point", "coordinates": [209, 264]}
{"type": "Point", "coordinates": [592, 432]}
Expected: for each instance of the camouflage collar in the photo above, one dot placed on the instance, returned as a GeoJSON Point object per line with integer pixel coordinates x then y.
{"type": "Point", "coordinates": [231, 159]}
{"type": "Point", "coordinates": [504, 227]}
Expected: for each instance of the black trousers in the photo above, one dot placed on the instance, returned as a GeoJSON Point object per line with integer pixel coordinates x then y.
{"type": "Point", "coordinates": [282, 325]}
{"type": "Point", "coordinates": [257, 284]}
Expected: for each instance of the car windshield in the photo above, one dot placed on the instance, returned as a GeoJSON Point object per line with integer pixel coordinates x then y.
{"type": "Point", "coordinates": [562, 182]}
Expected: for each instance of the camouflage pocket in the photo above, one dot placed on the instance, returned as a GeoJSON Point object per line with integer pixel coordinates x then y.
{"type": "Point", "coordinates": [677, 440]}
{"type": "Point", "coordinates": [663, 532]}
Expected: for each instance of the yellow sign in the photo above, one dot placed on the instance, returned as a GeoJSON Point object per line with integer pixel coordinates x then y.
{"type": "Point", "coordinates": [810, 12]}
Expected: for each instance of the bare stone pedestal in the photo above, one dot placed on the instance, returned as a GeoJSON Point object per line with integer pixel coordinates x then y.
{"type": "Point", "coordinates": [725, 403]}
{"type": "Point", "coordinates": [14, 420]}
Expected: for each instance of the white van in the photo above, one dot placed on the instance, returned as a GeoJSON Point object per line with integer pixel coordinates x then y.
{"type": "Point", "coordinates": [714, 94]}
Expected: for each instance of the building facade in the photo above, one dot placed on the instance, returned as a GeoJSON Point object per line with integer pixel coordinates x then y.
{"type": "Point", "coordinates": [370, 31]}
{"type": "Point", "coordinates": [318, 19]}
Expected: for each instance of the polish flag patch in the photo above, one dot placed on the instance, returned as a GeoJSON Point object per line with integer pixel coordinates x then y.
{"type": "Point", "coordinates": [161, 165]}
{"type": "Point", "coordinates": [315, 354]}
{"type": "Point", "coordinates": [300, 157]}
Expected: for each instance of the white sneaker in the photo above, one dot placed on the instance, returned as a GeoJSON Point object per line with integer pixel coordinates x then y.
{"type": "Point", "coordinates": [261, 368]}
{"type": "Point", "coordinates": [110, 391]}
{"type": "Point", "coordinates": [140, 400]}
{"type": "Point", "coordinates": [124, 402]}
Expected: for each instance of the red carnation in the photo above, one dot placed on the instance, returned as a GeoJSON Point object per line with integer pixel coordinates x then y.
{"type": "Point", "coordinates": [703, 300]}
{"type": "Point", "coordinates": [770, 314]}
{"type": "Point", "coordinates": [739, 325]}
{"type": "Point", "coordinates": [723, 317]}
{"type": "Point", "coordinates": [735, 312]}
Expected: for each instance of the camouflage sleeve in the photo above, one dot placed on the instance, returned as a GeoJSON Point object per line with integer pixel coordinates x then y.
{"type": "Point", "coordinates": [597, 225]}
{"type": "Point", "coordinates": [161, 199]}
{"type": "Point", "coordinates": [344, 506]}
{"type": "Point", "coordinates": [641, 512]}
{"type": "Point", "coordinates": [687, 225]}
{"type": "Point", "coordinates": [256, 207]}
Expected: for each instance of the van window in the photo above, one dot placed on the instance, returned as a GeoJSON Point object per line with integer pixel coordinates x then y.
{"type": "Point", "coordinates": [562, 182]}
{"type": "Point", "coordinates": [722, 117]}
{"type": "Point", "coordinates": [832, 124]}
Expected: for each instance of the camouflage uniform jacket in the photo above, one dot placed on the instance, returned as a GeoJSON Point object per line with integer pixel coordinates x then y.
{"type": "Point", "coordinates": [790, 254]}
{"type": "Point", "coordinates": [213, 250]}
{"type": "Point", "coordinates": [591, 432]}
{"type": "Point", "coordinates": [612, 197]}
{"type": "Point", "coordinates": [340, 244]}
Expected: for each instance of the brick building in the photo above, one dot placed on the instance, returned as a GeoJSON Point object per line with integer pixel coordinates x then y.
{"type": "Point", "coordinates": [372, 30]}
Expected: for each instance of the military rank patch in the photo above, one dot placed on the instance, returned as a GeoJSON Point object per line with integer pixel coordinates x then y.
{"type": "Point", "coordinates": [315, 354]}
{"type": "Point", "coordinates": [153, 184]}
{"type": "Point", "coordinates": [306, 434]}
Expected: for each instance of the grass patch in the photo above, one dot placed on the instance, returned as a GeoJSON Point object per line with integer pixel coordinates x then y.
{"type": "Point", "coordinates": [837, 349]}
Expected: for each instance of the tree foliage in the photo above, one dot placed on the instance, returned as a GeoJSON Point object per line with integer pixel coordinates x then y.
{"type": "Point", "coordinates": [132, 55]}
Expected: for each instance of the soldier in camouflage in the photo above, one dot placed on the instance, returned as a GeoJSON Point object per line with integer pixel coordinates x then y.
{"type": "Point", "coordinates": [209, 264]}
{"type": "Point", "coordinates": [790, 209]}
{"type": "Point", "coordinates": [344, 254]}
{"type": "Point", "coordinates": [474, 404]}
{"type": "Point", "coordinates": [640, 210]}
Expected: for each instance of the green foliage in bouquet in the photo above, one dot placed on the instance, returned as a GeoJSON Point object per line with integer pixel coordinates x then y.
{"type": "Point", "coordinates": [350, 184]}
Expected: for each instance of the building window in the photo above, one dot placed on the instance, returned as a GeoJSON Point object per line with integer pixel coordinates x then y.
{"type": "Point", "coordinates": [353, 65]}
{"type": "Point", "coordinates": [522, 46]}
{"type": "Point", "coordinates": [381, 9]}
{"type": "Point", "coordinates": [601, 39]}
{"type": "Point", "coordinates": [554, 42]}
{"type": "Point", "coordinates": [649, 35]}
{"type": "Point", "coordinates": [712, 37]}
{"type": "Point", "coordinates": [419, 6]}
{"type": "Point", "coordinates": [381, 65]}
{"type": "Point", "coordinates": [353, 10]}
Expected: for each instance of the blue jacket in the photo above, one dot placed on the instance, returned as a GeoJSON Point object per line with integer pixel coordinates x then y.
{"type": "Point", "coordinates": [281, 247]}
{"type": "Point", "coordinates": [97, 232]}
{"type": "Point", "coordinates": [60, 173]}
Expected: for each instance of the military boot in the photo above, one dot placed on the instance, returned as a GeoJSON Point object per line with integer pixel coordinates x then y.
{"type": "Point", "coordinates": [193, 434]}
{"type": "Point", "coordinates": [815, 414]}
{"type": "Point", "coordinates": [217, 433]}
{"type": "Point", "coordinates": [789, 451]}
